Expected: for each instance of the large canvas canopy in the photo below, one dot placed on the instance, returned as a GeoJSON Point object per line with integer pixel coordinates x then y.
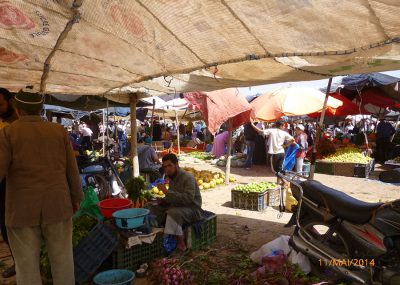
{"type": "Point", "coordinates": [115, 47]}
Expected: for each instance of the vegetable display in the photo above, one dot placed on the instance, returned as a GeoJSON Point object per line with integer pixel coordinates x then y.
{"type": "Point", "coordinates": [200, 155]}
{"type": "Point", "coordinates": [238, 160]}
{"type": "Point", "coordinates": [350, 154]}
{"type": "Point", "coordinates": [170, 272]}
{"type": "Point", "coordinates": [207, 179]}
{"type": "Point", "coordinates": [134, 187]}
{"type": "Point", "coordinates": [256, 187]}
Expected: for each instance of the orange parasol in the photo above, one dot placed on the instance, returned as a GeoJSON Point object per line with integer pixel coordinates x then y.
{"type": "Point", "coordinates": [291, 101]}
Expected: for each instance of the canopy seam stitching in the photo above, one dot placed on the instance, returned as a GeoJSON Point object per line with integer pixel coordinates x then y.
{"type": "Point", "coordinates": [169, 31]}
{"type": "Point", "coordinates": [393, 40]}
{"type": "Point", "coordinates": [243, 24]}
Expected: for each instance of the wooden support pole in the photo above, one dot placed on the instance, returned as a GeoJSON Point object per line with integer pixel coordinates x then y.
{"type": "Point", "coordinates": [177, 133]}
{"type": "Point", "coordinates": [104, 133]}
{"type": "Point", "coordinates": [229, 154]}
{"type": "Point", "coordinates": [135, 159]}
{"type": "Point", "coordinates": [319, 130]}
{"type": "Point", "coordinates": [152, 119]}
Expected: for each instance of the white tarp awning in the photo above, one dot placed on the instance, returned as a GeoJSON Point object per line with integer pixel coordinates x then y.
{"type": "Point", "coordinates": [96, 47]}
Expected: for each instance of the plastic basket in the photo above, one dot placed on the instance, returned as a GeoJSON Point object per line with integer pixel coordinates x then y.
{"type": "Point", "coordinates": [324, 167]}
{"type": "Point", "coordinates": [343, 169]}
{"type": "Point", "coordinates": [114, 277]}
{"type": "Point", "coordinates": [133, 257]}
{"type": "Point", "coordinates": [274, 197]}
{"type": "Point", "coordinates": [92, 251]}
{"type": "Point", "coordinates": [249, 201]}
{"type": "Point", "coordinates": [363, 170]}
{"type": "Point", "coordinates": [208, 233]}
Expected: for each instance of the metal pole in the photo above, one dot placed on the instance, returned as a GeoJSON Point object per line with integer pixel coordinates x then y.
{"type": "Point", "coordinates": [152, 119]}
{"type": "Point", "coordinates": [135, 159]}
{"type": "Point", "coordinates": [319, 130]}
{"type": "Point", "coordinates": [229, 156]}
{"type": "Point", "coordinates": [177, 132]}
{"type": "Point", "coordinates": [107, 130]}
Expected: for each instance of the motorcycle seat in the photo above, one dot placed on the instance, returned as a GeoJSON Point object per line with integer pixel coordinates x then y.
{"type": "Point", "coordinates": [339, 203]}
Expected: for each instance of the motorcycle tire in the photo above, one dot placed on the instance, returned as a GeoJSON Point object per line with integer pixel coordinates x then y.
{"type": "Point", "coordinates": [104, 190]}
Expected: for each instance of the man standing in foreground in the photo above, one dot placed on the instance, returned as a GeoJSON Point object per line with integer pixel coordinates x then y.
{"type": "Point", "coordinates": [43, 191]}
{"type": "Point", "coordinates": [182, 202]}
{"type": "Point", "coordinates": [7, 116]}
{"type": "Point", "coordinates": [278, 140]}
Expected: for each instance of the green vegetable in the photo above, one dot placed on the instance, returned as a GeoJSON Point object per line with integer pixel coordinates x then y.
{"type": "Point", "coordinates": [348, 154]}
{"type": "Point", "coordinates": [256, 187]}
{"type": "Point", "coordinates": [200, 155]}
{"type": "Point", "coordinates": [134, 187]}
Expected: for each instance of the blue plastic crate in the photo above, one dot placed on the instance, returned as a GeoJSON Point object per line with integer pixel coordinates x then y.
{"type": "Point", "coordinates": [92, 251]}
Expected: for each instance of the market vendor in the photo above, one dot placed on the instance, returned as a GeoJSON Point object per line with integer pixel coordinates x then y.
{"type": "Point", "coordinates": [182, 202]}
{"type": "Point", "coordinates": [43, 191]}
{"type": "Point", "coordinates": [149, 161]}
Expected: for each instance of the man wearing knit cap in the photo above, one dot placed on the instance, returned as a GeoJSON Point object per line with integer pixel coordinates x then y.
{"type": "Point", "coordinates": [43, 192]}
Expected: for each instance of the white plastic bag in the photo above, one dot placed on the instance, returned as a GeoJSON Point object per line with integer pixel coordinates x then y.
{"type": "Point", "coordinates": [280, 243]}
{"type": "Point", "coordinates": [301, 260]}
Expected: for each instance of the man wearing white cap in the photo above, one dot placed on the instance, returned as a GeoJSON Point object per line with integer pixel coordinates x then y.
{"type": "Point", "coordinates": [43, 191]}
{"type": "Point", "coordinates": [302, 140]}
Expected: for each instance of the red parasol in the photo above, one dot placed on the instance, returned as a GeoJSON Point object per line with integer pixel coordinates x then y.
{"type": "Point", "coordinates": [376, 97]}
{"type": "Point", "coordinates": [348, 108]}
{"type": "Point", "coordinates": [219, 106]}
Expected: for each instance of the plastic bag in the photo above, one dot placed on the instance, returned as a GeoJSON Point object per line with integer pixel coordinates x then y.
{"type": "Point", "coordinates": [89, 205]}
{"type": "Point", "coordinates": [301, 260]}
{"type": "Point", "coordinates": [290, 157]}
{"type": "Point", "coordinates": [169, 244]}
{"type": "Point", "coordinates": [281, 243]}
{"type": "Point", "coordinates": [274, 261]}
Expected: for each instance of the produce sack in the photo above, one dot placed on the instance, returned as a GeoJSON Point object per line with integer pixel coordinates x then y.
{"type": "Point", "coordinates": [290, 200]}
{"type": "Point", "coordinates": [89, 205]}
{"type": "Point", "coordinates": [290, 157]}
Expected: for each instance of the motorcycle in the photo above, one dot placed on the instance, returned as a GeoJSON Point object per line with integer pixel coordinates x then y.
{"type": "Point", "coordinates": [102, 175]}
{"type": "Point", "coordinates": [345, 238]}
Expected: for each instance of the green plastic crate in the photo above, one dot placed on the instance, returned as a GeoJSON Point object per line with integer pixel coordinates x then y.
{"type": "Point", "coordinates": [208, 234]}
{"type": "Point", "coordinates": [132, 258]}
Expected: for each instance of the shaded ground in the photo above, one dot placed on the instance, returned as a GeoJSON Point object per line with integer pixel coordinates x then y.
{"type": "Point", "coordinates": [253, 229]}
